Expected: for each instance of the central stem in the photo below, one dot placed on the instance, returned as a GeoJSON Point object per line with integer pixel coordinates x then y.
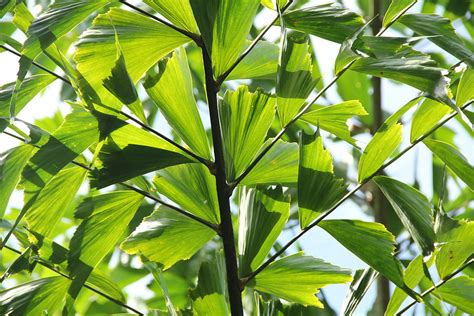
{"type": "Point", "coordinates": [227, 231]}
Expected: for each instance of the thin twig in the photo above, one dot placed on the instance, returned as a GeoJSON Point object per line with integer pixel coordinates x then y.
{"type": "Point", "coordinates": [110, 298]}
{"type": "Point", "coordinates": [37, 65]}
{"type": "Point", "coordinates": [213, 226]}
{"type": "Point", "coordinates": [192, 36]}
{"type": "Point", "coordinates": [349, 194]}
{"type": "Point", "coordinates": [247, 51]}
{"type": "Point", "coordinates": [434, 287]}
{"type": "Point", "coordinates": [283, 131]}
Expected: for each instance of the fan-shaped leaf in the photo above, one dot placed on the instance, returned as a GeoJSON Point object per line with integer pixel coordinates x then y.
{"type": "Point", "coordinates": [245, 119]}
{"type": "Point", "coordinates": [192, 187]}
{"type": "Point", "coordinates": [177, 236]}
{"type": "Point", "coordinates": [262, 216]}
{"type": "Point", "coordinates": [172, 91]}
{"type": "Point", "coordinates": [371, 242]}
{"type": "Point", "coordinates": [179, 12]}
{"type": "Point", "coordinates": [297, 278]}
{"type": "Point", "coordinates": [318, 187]}
{"type": "Point", "coordinates": [295, 80]}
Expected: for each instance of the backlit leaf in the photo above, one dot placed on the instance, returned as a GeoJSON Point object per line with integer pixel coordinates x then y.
{"type": "Point", "coordinates": [295, 80]}
{"type": "Point", "coordinates": [176, 236]}
{"type": "Point", "coordinates": [172, 91]}
{"type": "Point", "coordinates": [380, 147]}
{"type": "Point", "coordinates": [297, 278]}
{"type": "Point", "coordinates": [318, 187]}
{"type": "Point", "coordinates": [458, 292]}
{"type": "Point", "coordinates": [371, 242]}
{"type": "Point", "coordinates": [395, 9]}
{"type": "Point", "coordinates": [178, 12]}
{"type": "Point", "coordinates": [465, 88]}
{"type": "Point", "coordinates": [245, 119]}
{"type": "Point", "coordinates": [426, 116]}
{"type": "Point", "coordinates": [263, 214]}
{"type": "Point", "coordinates": [192, 187]}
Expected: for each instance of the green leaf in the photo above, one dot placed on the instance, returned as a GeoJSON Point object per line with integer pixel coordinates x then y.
{"type": "Point", "coordinates": [456, 243]}
{"type": "Point", "coordinates": [465, 91]}
{"type": "Point", "coordinates": [262, 215]}
{"type": "Point", "coordinates": [396, 8]}
{"type": "Point", "coordinates": [318, 187]}
{"type": "Point", "coordinates": [49, 206]}
{"type": "Point", "coordinates": [28, 90]}
{"type": "Point", "coordinates": [440, 32]}
{"type": "Point", "coordinates": [245, 119]}
{"type": "Point", "coordinates": [453, 159]}
{"type": "Point", "coordinates": [334, 118]}
{"type": "Point", "coordinates": [192, 187]}
{"type": "Point", "coordinates": [210, 292]}
{"type": "Point", "coordinates": [328, 21]}
{"type": "Point", "coordinates": [172, 91]}
{"type": "Point", "coordinates": [360, 285]}
{"type": "Point", "coordinates": [60, 18]}
{"type": "Point", "coordinates": [178, 12]}
{"type": "Point", "coordinates": [426, 116]}
{"type": "Point", "coordinates": [75, 135]}
{"type": "Point", "coordinates": [143, 42]}
{"type": "Point", "coordinates": [12, 163]}
{"type": "Point", "coordinates": [260, 63]}
{"type": "Point", "coordinates": [295, 80]}
{"type": "Point", "coordinates": [176, 236]}
{"type": "Point", "coordinates": [297, 278]}
{"type": "Point", "coordinates": [371, 242]}
{"type": "Point", "coordinates": [121, 86]}
{"type": "Point", "coordinates": [105, 220]}
{"type": "Point", "coordinates": [35, 297]}
{"type": "Point", "coordinates": [412, 276]}
{"type": "Point", "coordinates": [458, 292]}
{"type": "Point", "coordinates": [347, 53]}
{"type": "Point", "coordinates": [361, 82]}
{"type": "Point", "coordinates": [278, 166]}
{"type": "Point", "coordinates": [129, 151]}
{"type": "Point", "coordinates": [381, 146]}
{"type": "Point", "coordinates": [232, 25]}
{"type": "Point", "coordinates": [419, 72]}
{"type": "Point", "coordinates": [413, 209]}
{"type": "Point", "coordinates": [6, 6]}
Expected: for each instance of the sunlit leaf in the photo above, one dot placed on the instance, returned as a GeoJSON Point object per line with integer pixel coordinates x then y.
{"type": "Point", "coordinates": [371, 242]}
{"type": "Point", "coordinates": [295, 79]}
{"type": "Point", "coordinates": [278, 166]}
{"type": "Point", "coordinates": [426, 116]}
{"type": "Point", "coordinates": [210, 292]}
{"type": "Point", "coordinates": [318, 187]}
{"type": "Point", "coordinates": [245, 119]}
{"type": "Point", "coordinates": [263, 214]}
{"type": "Point", "coordinates": [12, 163]}
{"type": "Point", "coordinates": [453, 159]}
{"type": "Point", "coordinates": [177, 236]}
{"type": "Point", "coordinates": [328, 21]}
{"type": "Point", "coordinates": [192, 187]}
{"type": "Point", "coordinates": [413, 209]}
{"type": "Point", "coordinates": [35, 297]}
{"type": "Point", "coordinates": [172, 91]}
{"type": "Point", "coordinates": [380, 147]}
{"type": "Point", "coordinates": [396, 8]}
{"type": "Point", "coordinates": [456, 243]}
{"type": "Point", "coordinates": [297, 278]}
{"type": "Point", "coordinates": [334, 118]}
{"type": "Point", "coordinates": [50, 205]}
{"type": "Point", "coordinates": [458, 292]}
{"type": "Point", "coordinates": [465, 88]}
{"type": "Point", "coordinates": [143, 42]}
{"type": "Point", "coordinates": [129, 151]}
{"type": "Point", "coordinates": [179, 12]}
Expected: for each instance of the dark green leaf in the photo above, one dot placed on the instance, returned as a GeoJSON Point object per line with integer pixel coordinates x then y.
{"type": "Point", "coordinates": [413, 209]}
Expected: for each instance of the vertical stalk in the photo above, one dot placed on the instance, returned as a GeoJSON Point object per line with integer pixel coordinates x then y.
{"type": "Point", "coordinates": [379, 201]}
{"type": "Point", "coordinates": [223, 192]}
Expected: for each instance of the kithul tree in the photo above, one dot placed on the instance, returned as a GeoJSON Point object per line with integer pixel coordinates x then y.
{"type": "Point", "coordinates": [112, 197]}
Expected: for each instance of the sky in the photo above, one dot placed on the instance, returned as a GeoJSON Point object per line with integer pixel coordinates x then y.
{"type": "Point", "coordinates": [317, 242]}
